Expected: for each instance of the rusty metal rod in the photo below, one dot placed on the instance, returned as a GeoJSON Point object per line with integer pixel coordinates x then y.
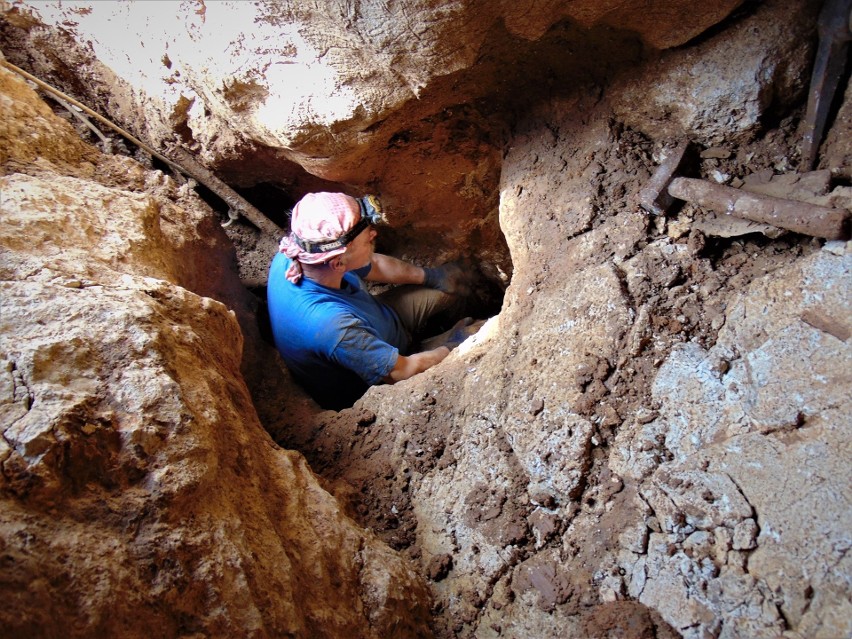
{"type": "Point", "coordinates": [799, 217]}
{"type": "Point", "coordinates": [233, 199]}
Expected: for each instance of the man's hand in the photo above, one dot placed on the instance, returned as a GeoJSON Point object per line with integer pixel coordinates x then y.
{"type": "Point", "coordinates": [411, 365]}
{"type": "Point", "coordinates": [450, 278]}
{"type": "Point", "coordinates": [462, 329]}
{"type": "Point", "coordinates": [434, 352]}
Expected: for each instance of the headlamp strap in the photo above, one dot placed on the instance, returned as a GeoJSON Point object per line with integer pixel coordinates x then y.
{"type": "Point", "coordinates": [331, 245]}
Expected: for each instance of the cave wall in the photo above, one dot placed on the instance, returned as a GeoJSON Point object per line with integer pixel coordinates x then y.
{"type": "Point", "coordinates": [314, 79]}
{"type": "Point", "coordinates": [139, 494]}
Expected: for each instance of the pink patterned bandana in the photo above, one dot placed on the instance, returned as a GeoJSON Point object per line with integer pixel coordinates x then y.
{"type": "Point", "coordinates": [318, 217]}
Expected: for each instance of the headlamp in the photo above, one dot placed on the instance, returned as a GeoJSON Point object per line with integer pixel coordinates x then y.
{"type": "Point", "coordinates": [371, 209]}
{"type": "Point", "coordinates": [371, 213]}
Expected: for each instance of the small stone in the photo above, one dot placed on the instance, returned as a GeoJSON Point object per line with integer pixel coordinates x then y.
{"type": "Point", "coordinates": [716, 153]}
{"type": "Point", "coordinates": [543, 499]}
{"type": "Point", "coordinates": [609, 416]}
{"type": "Point", "coordinates": [698, 544]}
{"type": "Point", "coordinates": [608, 595]}
{"type": "Point", "coordinates": [544, 526]}
{"type": "Point", "coordinates": [721, 366]}
{"type": "Point", "coordinates": [365, 418]}
{"type": "Point", "coordinates": [440, 567]}
{"type": "Point", "coordinates": [679, 227]}
{"type": "Point", "coordinates": [646, 415]}
{"type": "Point", "coordinates": [723, 538]}
{"type": "Point", "coordinates": [653, 524]}
{"type": "Point", "coordinates": [719, 177]}
{"type": "Point", "coordinates": [88, 429]}
{"type": "Point", "coordinates": [537, 406]}
{"type": "Point", "coordinates": [745, 535]}
{"type": "Point", "coordinates": [836, 247]}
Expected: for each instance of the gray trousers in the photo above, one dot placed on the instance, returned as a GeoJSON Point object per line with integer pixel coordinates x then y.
{"type": "Point", "coordinates": [415, 305]}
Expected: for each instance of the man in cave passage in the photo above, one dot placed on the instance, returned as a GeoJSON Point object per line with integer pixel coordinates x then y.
{"type": "Point", "coordinates": [336, 338]}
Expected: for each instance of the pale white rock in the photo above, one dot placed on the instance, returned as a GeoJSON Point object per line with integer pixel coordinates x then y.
{"type": "Point", "coordinates": [769, 436]}
{"type": "Point", "coordinates": [707, 94]}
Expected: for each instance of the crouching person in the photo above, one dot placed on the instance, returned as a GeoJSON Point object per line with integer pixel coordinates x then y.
{"type": "Point", "coordinates": [335, 337]}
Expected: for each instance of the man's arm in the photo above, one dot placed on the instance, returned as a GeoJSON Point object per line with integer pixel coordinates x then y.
{"type": "Point", "coordinates": [409, 366]}
{"type": "Point", "coordinates": [450, 278]}
{"type": "Point", "coordinates": [390, 270]}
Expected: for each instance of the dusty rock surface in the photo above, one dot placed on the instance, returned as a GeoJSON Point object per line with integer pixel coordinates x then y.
{"type": "Point", "coordinates": [140, 494]}
{"type": "Point", "coordinates": [651, 437]}
{"type": "Point", "coordinates": [706, 93]}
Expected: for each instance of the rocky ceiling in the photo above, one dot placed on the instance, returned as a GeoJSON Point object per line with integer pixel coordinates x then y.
{"type": "Point", "coordinates": [407, 99]}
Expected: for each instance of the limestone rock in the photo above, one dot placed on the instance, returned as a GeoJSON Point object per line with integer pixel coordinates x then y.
{"type": "Point", "coordinates": [650, 437]}
{"type": "Point", "coordinates": [293, 70]}
{"type": "Point", "coordinates": [758, 451]}
{"type": "Point", "coordinates": [137, 482]}
{"type": "Point", "coordinates": [675, 431]}
{"type": "Point", "coordinates": [706, 94]}
{"type": "Point", "coordinates": [403, 99]}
